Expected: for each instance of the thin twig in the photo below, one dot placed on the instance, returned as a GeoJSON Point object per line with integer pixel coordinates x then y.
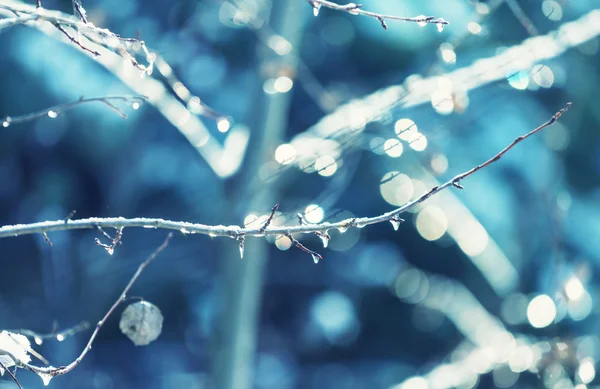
{"type": "Point", "coordinates": [270, 219]}
{"type": "Point", "coordinates": [60, 108]}
{"type": "Point", "coordinates": [47, 239]}
{"type": "Point", "coordinates": [125, 47]}
{"type": "Point", "coordinates": [355, 9]}
{"type": "Point", "coordinates": [110, 248]}
{"type": "Point", "coordinates": [79, 11]}
{"type": "Point", "coordinates": [522, 17]}
{"type": "Point", "coordinates": [70, 215]}
{"type": "Point", "coordinates": [235, 232]}
{"type": "Point", "coordinates": [56, 371]}
{"type": "Point", "coordinates": [58, 335]}
{"type": "Point", "coordinates": [12, 375]}
{"type": "Point", "coordinates": [75, 41]}
{"type": "Point", "coordinates": [315, 256]}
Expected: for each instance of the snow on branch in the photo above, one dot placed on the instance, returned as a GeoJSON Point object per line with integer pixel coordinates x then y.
{"type": "Point", "coordinates": [55, 111]}
{"type": "Point", "coordinates": [24, 14]}
{"type": "Point", "coordinates": [240, 233]}
{"type": "Point", "coordinates": [174, 101]}
{"type": "Point", "coordinates": [356, 9]}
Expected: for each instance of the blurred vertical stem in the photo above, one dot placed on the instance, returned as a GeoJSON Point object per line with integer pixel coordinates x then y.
{"type": "Point", "coordinates": [241, 279]}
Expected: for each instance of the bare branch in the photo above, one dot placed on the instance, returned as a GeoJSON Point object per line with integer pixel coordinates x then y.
{"type": "Point", "coordinates": [236, 232]}
{"type": "Point", "coordinates": [315, 256]}
{"type": "Point", "coordinates": [12, 375]}
{"type": "Point", "coordinates": [79, 11]}
{"type": "Point", "coordinates": [522, 17]}
{"type": "Point", "coordinates": [356, 9]}
{"type": "Point", "coordinates": [56, 371]}
{"type": "Point", "coordinates": [270, 219]}
{"type": "Point", "coordinates": [75, 41]}
{"type": "Point", "coordinates": [125, 47]}
{"type": "Point", "coordinates": [56, 110]}
{"type": "Point", "coordinates": [47, 239]}
{"type": "Point", "coordinates": [110, 248]}
{"type": "Point", "coordinates": [58, 335]}
{"type": "Point", "coordinates": [170, 97]}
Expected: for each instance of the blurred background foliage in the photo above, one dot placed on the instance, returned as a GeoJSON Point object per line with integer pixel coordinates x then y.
{"type": "Point", "coordinates": [495, 283]}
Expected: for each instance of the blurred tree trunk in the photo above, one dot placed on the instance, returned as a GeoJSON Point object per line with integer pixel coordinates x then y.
{"type": "Point", "coordinates": [241, 279]}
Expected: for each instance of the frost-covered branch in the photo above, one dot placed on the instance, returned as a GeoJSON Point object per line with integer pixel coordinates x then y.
{"type": "Point", "coordinates": [47, 373]}
{"type": "Point", "coordinates": [55, 111]}
{"type": "Point", "coordinates": [356, 9]}
{"type": "Point", "coordinates": [11, 374]}
{"type": "Point", "coordinates": [124, 47]}
{"type": "Point", "coordinates": [181, 110]}
{"type": "Point", "coordinates": [239, 233]}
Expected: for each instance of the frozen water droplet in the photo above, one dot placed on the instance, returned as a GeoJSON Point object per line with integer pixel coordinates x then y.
{"type": "Point", "coordinates": [52, 114]}
{"type": "Point", "coordinates": [110, 250]}
{"type": "Point", "coordinates": [342, 229]}
{"type": "Point", "coordinates": [242, 249]}
{"type": "Point", "coordinates": [396, 223]}
{"type": "Point", "coordinates": [212, 234]}
{"type": "Point", "coordinates": [135, 105]}
{"type": "Point", "coordinates": [422, 23]}
{"type": "Point", "coordinates": [60, 337]}
{"type": "Point", "coordinates": [38, 340]}
{"type": "Point", "coordinates": [185, 231]}
{"type": "Point", "coordinates": [325, 239]}
{"type": "Point", "coordinates": [361, 225]}
{"type": "Point", "coordinates": [6, 123]}
{"type": "Point", "coordinates": [440, 27]}
{"type": "Point", "coordinates": [316, 8]}
{"type": "Point", "coordinates": [316, 257]}
{"type": "Point", "coordinates": [46, 378]}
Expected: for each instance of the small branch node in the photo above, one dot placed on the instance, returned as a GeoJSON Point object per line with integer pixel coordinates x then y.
{"type": "Point", "coordinates": [47, 239]}
{"type": "Point", "coordinates": [270, 219]}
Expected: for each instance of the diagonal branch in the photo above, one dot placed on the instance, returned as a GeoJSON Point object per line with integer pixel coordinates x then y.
{"type": "Point", "coordinates": [50, 372]}
{"type": "Point", "coordinates": [356, 9]}
{"type": "Point", "coordinates": [101, 36]}
{"type": "Point", "coordinates": [12, 375]}
{"type": "Point", "coordinates": [237, 232]}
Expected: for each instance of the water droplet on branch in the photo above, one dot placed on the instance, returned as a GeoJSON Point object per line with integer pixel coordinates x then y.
{"type": "Point", "coordinates": [242, 243]}
{"type": "Point", "coordinates": [325, 239]}
{"type": "Point", "coordinates": [316, 257]}
{"type": "Point", "coordinates": [316, 8]}
{"type": "Point", "coordinates": [46, 378]}
{"type": "Point", "coordinates": [396, 223]}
